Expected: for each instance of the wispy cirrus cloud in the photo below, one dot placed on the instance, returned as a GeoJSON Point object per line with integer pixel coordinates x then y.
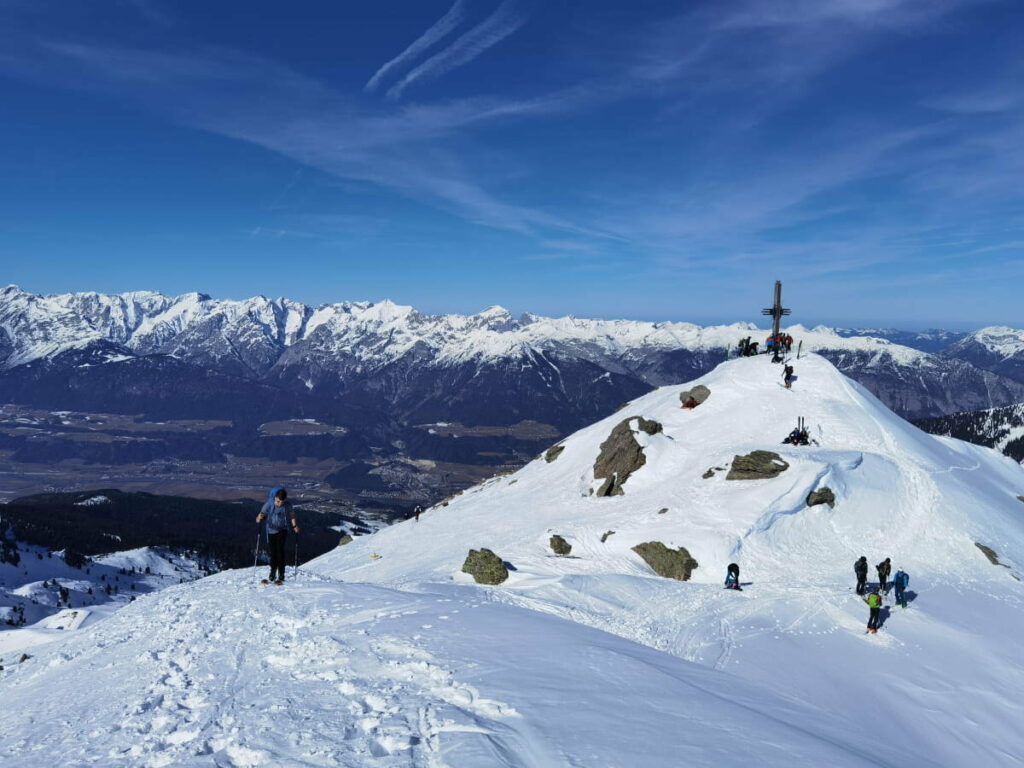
{"type": "Point", "coordinates": [264, 103]}
{"type": "Point", "coordinates": [508, 18]}
{"type": "Point", "coordinates": [435, 34]}
{"type": "Point", "coordinates": [738, 183]}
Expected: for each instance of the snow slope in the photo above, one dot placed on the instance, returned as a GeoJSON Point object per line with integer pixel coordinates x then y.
{"type": "Point", "coordinates": [322, 673]}
{"type": "Point", "coordinates": [922, 500]}
{"type": "Point", "coordinates": [46, 618]}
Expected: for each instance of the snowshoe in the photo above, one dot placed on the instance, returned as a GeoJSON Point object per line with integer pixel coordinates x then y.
{"type": "Point", "coordinates": [279, 583]}
{"type": "Point", "coordinates": [264, 582]}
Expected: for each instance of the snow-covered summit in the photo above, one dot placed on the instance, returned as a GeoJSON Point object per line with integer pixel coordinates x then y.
{"type": "Point", "coordinates": [998, 339]}
{"type": "Point", "coordinates": [929, 499]}
{"type": "Point", "coordinates": [947, 512]}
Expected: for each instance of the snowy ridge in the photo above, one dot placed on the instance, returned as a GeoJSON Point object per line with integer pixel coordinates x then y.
{"type": "Point", "coordinates": [195, 326]}
{"type": "Point", "coordinates": [924, 501]}
{"type": "Point", "coordinates": [860, 444]}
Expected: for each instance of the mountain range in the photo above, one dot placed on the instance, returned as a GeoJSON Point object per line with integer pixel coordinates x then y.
{"type": "Point", "coordinates": [395, 383]}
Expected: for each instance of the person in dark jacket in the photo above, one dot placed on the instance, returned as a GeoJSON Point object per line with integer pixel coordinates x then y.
{"type": "Point", "coordinates": [884, 568]}
{"type": "Point", "coordinates": [861, 569]}
{"type": "Point", "coordinates": [732, 577]}
{"type": "Point", "coordinates": [787, 376]}
{"type": "Point", "coordinates": [278, 512]}
{"type": "Point", "coordinates": [874, 601]}
{"type": "Point", "coordinates": [899, 583]}
{"type": "Point", "coordinates": [416, 512]}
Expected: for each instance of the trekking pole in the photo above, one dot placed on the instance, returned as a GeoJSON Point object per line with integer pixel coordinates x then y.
{"type": "Point", "coordinates": [295, 574]}
{"type": "Point", "coordinates": [256, 556]}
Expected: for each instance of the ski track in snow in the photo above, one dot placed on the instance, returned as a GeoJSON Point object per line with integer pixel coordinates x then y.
{"type": "Point", "coordinates": [254, 674]}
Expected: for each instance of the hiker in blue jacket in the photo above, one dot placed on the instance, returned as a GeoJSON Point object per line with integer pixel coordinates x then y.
{"type": "Point", "coordinates": [899, 583]}
{"type": "Point", "coordinates": [278, 512]}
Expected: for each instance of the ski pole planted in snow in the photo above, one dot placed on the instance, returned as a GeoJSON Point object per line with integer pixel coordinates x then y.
{"type": "Point", "coordinates": [256, 558]}
{"type": "Point", "coordinates": [295, 574]}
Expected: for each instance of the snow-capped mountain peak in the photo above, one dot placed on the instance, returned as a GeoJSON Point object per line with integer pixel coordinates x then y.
{"type": "Point", "coordinates": [1000, 339]}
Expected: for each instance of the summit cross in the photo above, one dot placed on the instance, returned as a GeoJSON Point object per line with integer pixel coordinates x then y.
{"type": "Point", "coordinates": [777, 311]}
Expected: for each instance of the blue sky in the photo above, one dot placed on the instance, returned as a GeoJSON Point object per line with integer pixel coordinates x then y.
{"type": "Point", "coordinates": [653, 160]}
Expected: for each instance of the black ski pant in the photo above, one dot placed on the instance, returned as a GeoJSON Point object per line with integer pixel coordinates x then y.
{"type": "Point", "coordinates": [275, 545]}
{"type": "Point", "coordinates": [883, 582]}
{"type": "Point", "coordinates": [862, 583]}
{"type": "Point", "coordinates": [873, 618]}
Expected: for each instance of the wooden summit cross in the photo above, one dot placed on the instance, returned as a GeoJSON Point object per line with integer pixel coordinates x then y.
{"type": "Point", "coordinates": [776, 310]}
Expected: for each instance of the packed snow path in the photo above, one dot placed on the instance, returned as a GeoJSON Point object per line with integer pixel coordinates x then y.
{"type": "Point", "coordinates": [319, 673]}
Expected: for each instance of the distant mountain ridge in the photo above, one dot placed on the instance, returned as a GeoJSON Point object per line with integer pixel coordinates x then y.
{"type": "Point", "coordinates": [383, 367]}
{"type": "Point", "coordinates": [932, 340]}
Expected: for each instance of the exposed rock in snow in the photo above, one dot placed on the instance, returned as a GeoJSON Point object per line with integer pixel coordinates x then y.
{"type": "Point", "coordinates": [757, 465]}
{"type": "Point", "coordinates": [559, 545]}
{"type": "Point", "coordinates": [698, 394]}
{"type": "Point", "coordinates": [621, 455]}
{"type": "Point", "coordinates": [485, 567]}
{"type": "Point", "coordinates": [821, 496]}
{"type": "Point", "coordinates": [670, 563]}
{"type": "Point", "coordinates": [553, 453]}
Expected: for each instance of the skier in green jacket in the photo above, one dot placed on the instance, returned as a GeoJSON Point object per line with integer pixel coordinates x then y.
{"type": "Point", "coordinates": [874, 601]}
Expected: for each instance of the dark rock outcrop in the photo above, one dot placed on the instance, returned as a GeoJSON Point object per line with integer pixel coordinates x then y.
{"type": "Point", "coordinates": [553, 453]}
{"type": "Point", "coordinates": [757, 465]}
{"type": "Point", "coordinates": [485, 567]}
{"type": "Point", "coordinates": [700, 393]}
{"type": "Point", "coordinates": [605, 535]}
{"type": "Point", "coordinates": [559, 545]}
{"type": "Point", "coordinates": [670, 563]}
{"type": "Point", "coordinates": [991, 554]}
{"type": "Point", "coordinates": [649, 426]}
{"type": "Point", "coordinates": [663, 510]}
{"type": "Point", "coordinates": [821, 496]}
{"type": "Point", "coordinates": [621, 455]}
{"type": "Point", "coordinates": [346, 539]}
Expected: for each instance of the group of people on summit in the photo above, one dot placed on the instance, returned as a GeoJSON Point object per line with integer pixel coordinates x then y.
{"type": "Point", "coordinates": [783, 342]}
{"type": "Point", "coordinates": [900, 581]}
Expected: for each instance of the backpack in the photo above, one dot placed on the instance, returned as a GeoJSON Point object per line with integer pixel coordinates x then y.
{"type": "Point", "coordinates": [278, 517]}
